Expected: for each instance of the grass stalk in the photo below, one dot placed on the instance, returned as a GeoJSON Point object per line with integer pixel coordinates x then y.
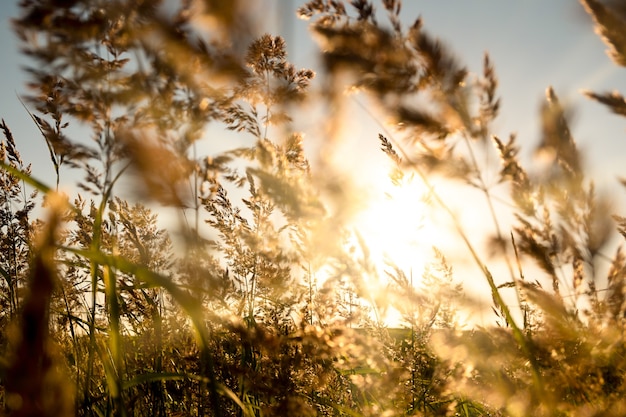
{"type": "Point", "coordinates": [190, 305]}
{"type": "Point", "coordinates": [114, 371]}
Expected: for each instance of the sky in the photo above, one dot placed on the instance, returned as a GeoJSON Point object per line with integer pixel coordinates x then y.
{"type": "Point", "coordinates": [533, 44]}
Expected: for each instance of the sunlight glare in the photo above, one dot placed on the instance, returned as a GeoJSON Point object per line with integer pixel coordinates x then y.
{"type": "Point", "coordinates": [396, 226]}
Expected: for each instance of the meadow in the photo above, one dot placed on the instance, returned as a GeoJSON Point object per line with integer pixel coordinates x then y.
{"type": "Point", "coordinates": [258, 296]}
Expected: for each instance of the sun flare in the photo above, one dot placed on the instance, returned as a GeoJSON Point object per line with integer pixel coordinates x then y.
{"type": "Point", "coordinates": [396, 226]}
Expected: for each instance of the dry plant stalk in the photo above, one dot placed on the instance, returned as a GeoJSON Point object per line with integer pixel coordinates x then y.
{"type": "Point", "coordinates": [36, 379]}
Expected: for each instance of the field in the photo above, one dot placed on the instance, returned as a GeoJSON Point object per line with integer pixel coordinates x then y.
{"type": "Point", "coordinates": [151, 277]}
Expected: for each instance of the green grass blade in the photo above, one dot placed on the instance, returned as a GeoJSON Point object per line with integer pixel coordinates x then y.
{"type": "Point", "coordinates": [27, 178]}
{"type": "Point", "coordinates": [190, 305]}
{"type": "Point", "coordinates": [178, 376]}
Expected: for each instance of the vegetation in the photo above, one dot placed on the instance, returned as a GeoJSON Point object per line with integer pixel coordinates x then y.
{"type": "Point", "coordinates": [255, 297]}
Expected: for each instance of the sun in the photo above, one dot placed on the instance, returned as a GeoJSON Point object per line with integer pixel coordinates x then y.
{"type": "Point", "coordinates": [396, 225]}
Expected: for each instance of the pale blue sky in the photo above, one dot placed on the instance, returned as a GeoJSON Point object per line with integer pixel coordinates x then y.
{"type": "Point", "coordinates": [533, 44]}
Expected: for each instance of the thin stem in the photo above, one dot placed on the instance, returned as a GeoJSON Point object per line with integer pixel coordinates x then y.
{"type": "Point", "coordinates": [196, 198]}
{"type": "Point", "coordinates": [483, 187]}
{"type": "Point", "coordinates": [310, 293]}
{"type": "Point", "coordinates": [267, 103]}
{"type": "Point", "coordinates": [56, 160]}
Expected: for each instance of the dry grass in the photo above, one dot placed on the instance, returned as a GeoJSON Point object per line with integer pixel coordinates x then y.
{"type": "Point", "coordinates": [250, 303]}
